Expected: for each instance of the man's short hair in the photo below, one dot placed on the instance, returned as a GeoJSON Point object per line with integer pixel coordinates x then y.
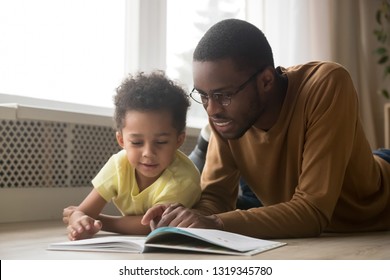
{"type": "Point", "coordinates": [239, 40]}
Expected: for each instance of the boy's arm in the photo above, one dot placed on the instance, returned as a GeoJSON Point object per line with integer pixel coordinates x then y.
{"type": "Point", "coordinates": [119, 224]}
{"type": "Point", "coordinates": [124, 224]}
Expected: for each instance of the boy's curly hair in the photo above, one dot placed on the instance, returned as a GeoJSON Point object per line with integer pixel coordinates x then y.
{"type": "Point", "coordinates": [151, 92]}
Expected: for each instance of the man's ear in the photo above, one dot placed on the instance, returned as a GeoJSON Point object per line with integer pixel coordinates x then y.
{"type": "Point", "coordinates": [180, 139]}
{"type": "Point", "coordinates": [119, 138]}
{"type": "Point", "coordinates": [267, 78]}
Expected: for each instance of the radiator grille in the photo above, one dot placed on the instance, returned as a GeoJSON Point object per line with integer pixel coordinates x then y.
{"type": "Point", "coordinates": [52, 154]}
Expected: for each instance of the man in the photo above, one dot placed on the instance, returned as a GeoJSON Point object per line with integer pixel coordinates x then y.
{"type": "Point", "coordinates": [293, 134]}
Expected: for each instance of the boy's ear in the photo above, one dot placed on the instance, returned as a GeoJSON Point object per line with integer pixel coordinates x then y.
{"type": "Point", "coordinates": [180, 139]}
{"type": "Point", "coordinates": [119, 138]}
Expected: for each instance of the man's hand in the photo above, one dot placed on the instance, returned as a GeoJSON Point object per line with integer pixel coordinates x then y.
{"type": "Point", "coordinates": [153, 216]}
{"type": "Point", "coordinates": [176, 215]}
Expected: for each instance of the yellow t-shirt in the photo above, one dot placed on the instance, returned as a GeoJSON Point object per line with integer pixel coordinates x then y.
{"type": "Point", "coordinates": [116, 181]}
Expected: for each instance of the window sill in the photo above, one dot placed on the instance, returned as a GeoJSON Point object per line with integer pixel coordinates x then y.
{"type": "Point", "coordinates": [24, 108]}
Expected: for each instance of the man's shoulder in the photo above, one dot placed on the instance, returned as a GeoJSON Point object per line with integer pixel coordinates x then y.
{"type": "Point", "coordinates": [317, 67]}
{"type": "Point", "coordinates": [317, 73]}
{"type": "Point", "coordinates": [330, 67]}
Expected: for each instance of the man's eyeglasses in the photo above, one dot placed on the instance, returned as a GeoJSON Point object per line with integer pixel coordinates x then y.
{"type": "Point", "coordinates": [223, 99]}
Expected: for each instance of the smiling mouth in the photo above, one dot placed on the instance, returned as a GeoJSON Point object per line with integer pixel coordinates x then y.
{"type": "Point", "coordinates": [221, 123]}
{"type": "Point", "coordinates": [149, 164]}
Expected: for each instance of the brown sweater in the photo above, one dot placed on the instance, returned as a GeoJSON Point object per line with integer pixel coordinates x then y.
{"type": "Point", "coordinates": [313, 170]}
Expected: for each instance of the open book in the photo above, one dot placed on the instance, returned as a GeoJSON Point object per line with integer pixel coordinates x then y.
{"type": "Point", "coordinates": [188, 239]}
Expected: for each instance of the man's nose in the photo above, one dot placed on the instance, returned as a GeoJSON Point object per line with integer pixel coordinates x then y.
{"type": "Point", "coordinates": [212, 107]}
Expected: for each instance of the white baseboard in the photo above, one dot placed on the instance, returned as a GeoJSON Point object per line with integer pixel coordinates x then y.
{"type": "Point", "coordinates": [37, 204]}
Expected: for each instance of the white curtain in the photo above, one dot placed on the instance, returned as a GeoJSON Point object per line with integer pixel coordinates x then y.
{"type": "Point", "coordinates": [333, 30]}
{"type": "Point", "coordinates": [353, 44]}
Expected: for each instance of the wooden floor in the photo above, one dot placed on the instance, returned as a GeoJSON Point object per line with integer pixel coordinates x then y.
{"type": "Point", "coordinates": [28, 241]}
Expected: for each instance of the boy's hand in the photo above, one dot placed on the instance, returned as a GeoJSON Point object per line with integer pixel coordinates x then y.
{"type": "Point", "coordinates": [67, 212]}
{"type": "Point", "coordinates": [81, 226]}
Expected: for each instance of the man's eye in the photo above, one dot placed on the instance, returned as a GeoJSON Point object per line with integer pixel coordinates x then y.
{"type": "Point", "coordinates": [220, 96]}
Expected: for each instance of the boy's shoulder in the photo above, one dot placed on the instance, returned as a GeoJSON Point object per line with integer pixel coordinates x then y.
{"type": "Point", "coordinates": [183, 164]}
{"type": "Point", "coordinates": [119, 156]}
{"type": "Point", "coordinates": [119, 160]}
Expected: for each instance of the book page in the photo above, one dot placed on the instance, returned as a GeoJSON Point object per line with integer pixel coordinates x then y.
{"type": "Point", "coordinates": [224, 239]}
{"type": "Point", "coordinates": [115, 243]}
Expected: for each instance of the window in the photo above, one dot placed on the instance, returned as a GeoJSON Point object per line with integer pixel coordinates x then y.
{"type": "Point", "coordinates": [78, 51]}
{"type": "Point", "coordinates": [187, 21]}
{"type": "Point", "coordinates": [63, 50]}
{"type": "Point", "coordinates": [75, 50]}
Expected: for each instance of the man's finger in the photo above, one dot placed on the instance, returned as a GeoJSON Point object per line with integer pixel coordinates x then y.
{"type": "Point", "coordinates": [153, 213]}
{"type": "Point", "coordinates": [171, 216]}
{"type": "Point", "coordinates": [171, 208]}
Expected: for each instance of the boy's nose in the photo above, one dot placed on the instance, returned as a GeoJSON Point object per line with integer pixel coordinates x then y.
{"type": "Point", "coordinates": [148, 151]}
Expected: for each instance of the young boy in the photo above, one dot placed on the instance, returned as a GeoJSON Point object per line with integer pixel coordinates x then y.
{"type": "Point", "coordinates": [150, 116]}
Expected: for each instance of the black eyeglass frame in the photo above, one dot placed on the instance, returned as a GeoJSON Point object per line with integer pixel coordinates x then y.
{"type": "Point", "coordinates": [223, 99]}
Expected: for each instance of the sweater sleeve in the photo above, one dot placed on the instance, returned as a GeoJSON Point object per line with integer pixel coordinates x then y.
{"type": "Point", "coordinates": [219, 179]}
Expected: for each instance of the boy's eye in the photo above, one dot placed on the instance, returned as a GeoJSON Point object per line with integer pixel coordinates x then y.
{"type": "Point", "coordinates": [140, 143]}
